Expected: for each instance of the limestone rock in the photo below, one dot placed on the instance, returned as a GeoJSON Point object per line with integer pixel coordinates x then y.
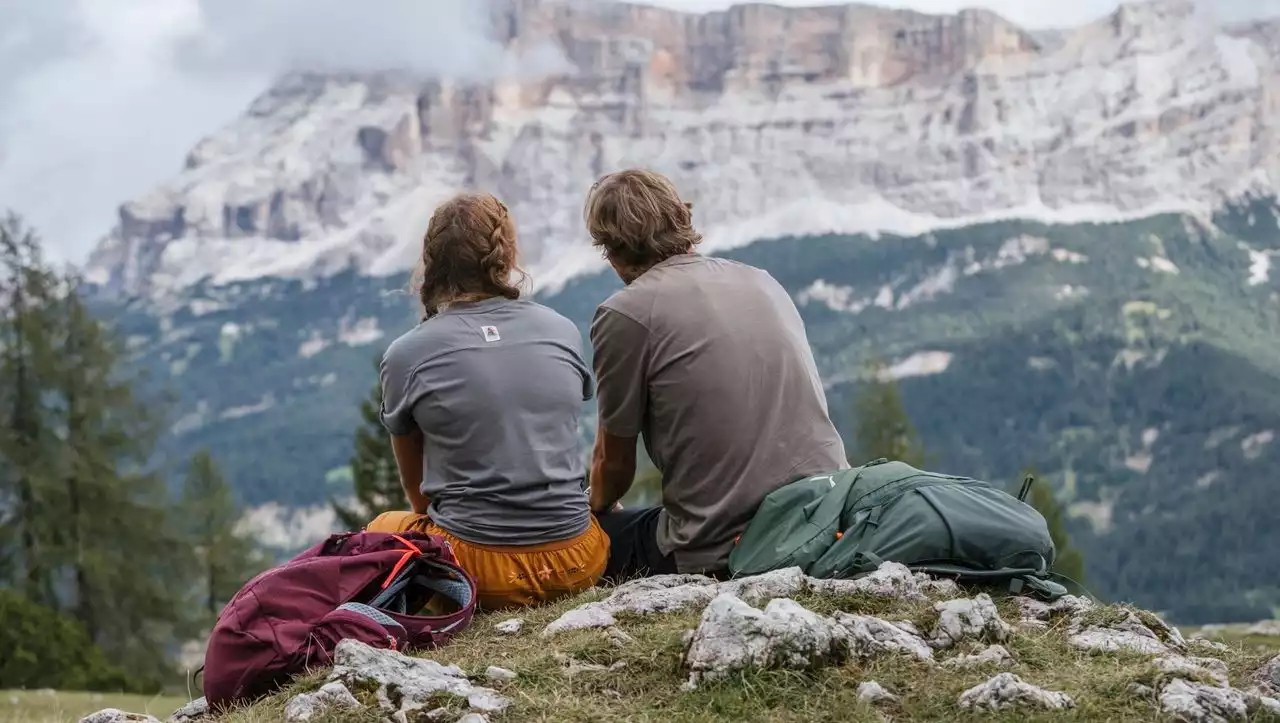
{"type": "Point", "coordinates": [891, 579]}
{"type": "Point", "coordinates": [191, 712]}
{"type": "Point", "coordinates": [115, 715]}
{"type": "Point", "coordinates": [1007, 690]}
{"type": "Point", "coordinates": [497, 674]}
{"type": "Point", "coordinates": [1130, 633]}
{"type": "Point", "coordinates": [1178, 666]}
{"type": "Point", "coordinates": [1209, 645]}
{"type": "Point", "coordinates": [870, 636]}
{"type": "Point", "coordinates": [1197, 702]}
{"type": "Point", "coordinates": [331, 696]}
{"type": "Point", "coordinates": [787, 582]}
{"type": "Point", "coordinates": [1037, 613]}
{"type": "Point", "coordinates": [968, 618]}
{"type": "Point", "coordinates": [510, 627]}
{"type": "Point", "coordinates": [873, 692]}
{"type": "Point", "coordinates": [996, 655]}
{"type": "Point", "coordinates": [619, 638]}
{"type": "Point", "coordinates": [416, 681]}
{"type": "Point", "coordinates": [1270, 628]}
{"type": "Point", "coordinates": [733, 636]}
{"type": "Point", "coordinates": [473, 718]}
{"type": "Point", "coordinates": [1266, 680]}
{"type": "Point", "coordinates": [1138, 690]}
{"type": "Point", "coordinates": [583, 617]}
{"type": "Point", "coordinates": [646, 596]}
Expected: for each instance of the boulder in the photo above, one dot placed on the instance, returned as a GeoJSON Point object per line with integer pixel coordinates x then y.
{"type": "Point", "coordinates": [510, 627]}
{"type": "Point", "coordinates": [1196, 702]}
{"type": "Point", "coordinates": [115, 715]}
{"type": "Point", "coordinates": [1266, 680]}
{"type": "Point", "coordinates": [872, 692]}
{"type": "Point", "coordinates": [415, 681]}
{"type": "Point", "coordinates": [733, 636]}
{"type": "Point", "coordinates": [331, 696]}
{"type": "Point", "coordinates": [496, 674]}
{"type": "Point", "coordinates": [1007, 690]}
{"type": "Point", "coordinates": [191, 712]}
{"type": "Point", "coordinates": [1178, 666]}
{"type": "Point", "coordinates": [891, 579]}
{"type": "Point", "coordinates": [870, 636]}
{"type": "Point", "coordinates": [968, 618]}
{"type": "Point", "coordinates": [1148, 636]}
{"type": "Point", "coordinates": [994, 655]}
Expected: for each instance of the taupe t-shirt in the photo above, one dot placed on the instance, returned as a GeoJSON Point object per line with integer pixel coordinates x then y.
{"type": "Point", "coordinates": [708, 360]}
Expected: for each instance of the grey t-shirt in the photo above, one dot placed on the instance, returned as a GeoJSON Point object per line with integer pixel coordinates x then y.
{"type": "Point", "coordinates": [497, 388]}
{"type": "Point", "coordinates": [708, 360]}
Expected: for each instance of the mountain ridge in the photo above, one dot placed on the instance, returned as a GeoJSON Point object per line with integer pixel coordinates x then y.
{"type": "Point", "coordinates": [773, 121]}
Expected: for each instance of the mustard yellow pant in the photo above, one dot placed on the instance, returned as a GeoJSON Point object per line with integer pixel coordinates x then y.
{"type": "Point", "coordinates": [509, 576]}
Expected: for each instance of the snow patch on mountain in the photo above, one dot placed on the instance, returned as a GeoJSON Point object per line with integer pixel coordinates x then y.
{"type": "Point", "coordinates": [920, 364]}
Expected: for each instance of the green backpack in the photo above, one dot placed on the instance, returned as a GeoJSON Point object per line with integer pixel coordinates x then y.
{"type": "Point", "coordinates": [844, 524]}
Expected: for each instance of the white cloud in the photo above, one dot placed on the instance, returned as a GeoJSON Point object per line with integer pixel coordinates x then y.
{"type": "Point", "coordinates": [101, 99]}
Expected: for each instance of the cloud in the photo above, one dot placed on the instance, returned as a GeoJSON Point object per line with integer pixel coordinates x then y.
{"type": "Point", "coordinates": [100, 100]}
{"type": "Point", "coordinates": [435, 37]}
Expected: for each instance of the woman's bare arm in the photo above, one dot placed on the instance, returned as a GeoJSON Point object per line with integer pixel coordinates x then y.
{"type": "Point", "coordinates": [408, 452]}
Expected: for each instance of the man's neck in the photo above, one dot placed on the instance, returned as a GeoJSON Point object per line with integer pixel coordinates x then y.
{"type": "Point", "coordinates": [630, 274]}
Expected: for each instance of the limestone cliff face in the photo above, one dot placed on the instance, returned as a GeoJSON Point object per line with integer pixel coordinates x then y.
{"type": "Point", "coordinates": [774, 121]}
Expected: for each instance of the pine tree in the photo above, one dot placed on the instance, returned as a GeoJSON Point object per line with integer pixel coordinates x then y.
{"type": "Point", "coordinates": [88, 520]}
{"type": "Point", "coordinates": [1068, 561]}
{"type": "Point", "coordinates": [375, 479]}
{"type": "Point", "coordinates": [127, 564]}
{"type": "Point", "coordinates": [883, 427]}
{"type": "Point", "coordinates": [26, 437]}
{"type": "Point", "coordinates": [225, 558]}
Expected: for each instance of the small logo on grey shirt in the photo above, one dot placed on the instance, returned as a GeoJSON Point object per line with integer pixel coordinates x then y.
{"type": "Point", "coordinates": [490, 333]}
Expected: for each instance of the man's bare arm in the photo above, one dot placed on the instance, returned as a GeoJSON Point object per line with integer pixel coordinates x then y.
{"type": "Point", "coordinates": [613, 468]}
{"type": "Point", "coordinates": [408, 452]}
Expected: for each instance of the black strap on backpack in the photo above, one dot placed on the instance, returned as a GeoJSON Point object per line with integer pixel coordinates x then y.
{"type": "Point", "coordinates": [1026, 488]}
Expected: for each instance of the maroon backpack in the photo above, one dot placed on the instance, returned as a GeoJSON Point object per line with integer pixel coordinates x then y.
{"type": "Point", "coordinates": [369, 586]}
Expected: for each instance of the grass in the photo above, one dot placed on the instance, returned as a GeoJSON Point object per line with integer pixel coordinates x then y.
{"type": "Point", "coordinates": [648, 687]}
{"type": "Point", "coordinates": [27, 706]}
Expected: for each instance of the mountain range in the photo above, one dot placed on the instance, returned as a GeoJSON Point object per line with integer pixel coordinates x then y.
{"type": "Point", "coordinates": [1060, 242]}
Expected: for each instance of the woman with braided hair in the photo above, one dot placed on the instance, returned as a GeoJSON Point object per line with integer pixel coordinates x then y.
{"type": "Point", "coordinates": [482, 401]}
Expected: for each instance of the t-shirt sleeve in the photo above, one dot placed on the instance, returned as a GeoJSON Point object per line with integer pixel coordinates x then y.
{"type": "Point", "coordinates": [574, 337]}
{"type": "Point", "coordinates": [401, 390]}
{"type": "Point", "coordinates": [621, 362]}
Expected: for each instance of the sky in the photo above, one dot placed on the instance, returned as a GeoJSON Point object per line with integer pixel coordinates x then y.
{"type": "Point", "coordinates": [100, 100]}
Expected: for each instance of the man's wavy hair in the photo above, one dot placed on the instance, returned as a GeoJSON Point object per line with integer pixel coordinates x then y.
{"type": "Point", "coordinates": [637, 218]}
{"type": "Point", "coordinates": [469, 253]}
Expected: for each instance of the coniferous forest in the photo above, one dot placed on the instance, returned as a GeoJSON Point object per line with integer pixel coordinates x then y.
{"type": "Point", "coordinates": [104, 569]}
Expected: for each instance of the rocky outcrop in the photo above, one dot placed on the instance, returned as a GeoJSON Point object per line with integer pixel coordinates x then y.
{"type": "Point", "coordinates": [772, 120]}
{"type": "Point", "coordinates": [733, 636]}
{"type": "Point", "coordinates": [671, 593]}
{"type": "Point", "coordinates": [754, 624]}
{"type": "Point", "coordinates": [1007, 690]}
{"type": "Point", "coordinates": [331, 697]}
{"type": "Point", "coordinates": [963, 619]}
{"type": "Point", "coordinates": [408, 685]}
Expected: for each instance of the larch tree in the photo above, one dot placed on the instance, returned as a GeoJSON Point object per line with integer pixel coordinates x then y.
{"type": "Point", "coordinates": [375, 479]}
{"type": "Point", "coordinates": [225, 556]}
{"type": "Point", "coordinates": [883, 429]}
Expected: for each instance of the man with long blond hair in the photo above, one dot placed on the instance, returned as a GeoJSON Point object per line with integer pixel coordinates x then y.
{"type": "Point", "coordinates": [708, 361]}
